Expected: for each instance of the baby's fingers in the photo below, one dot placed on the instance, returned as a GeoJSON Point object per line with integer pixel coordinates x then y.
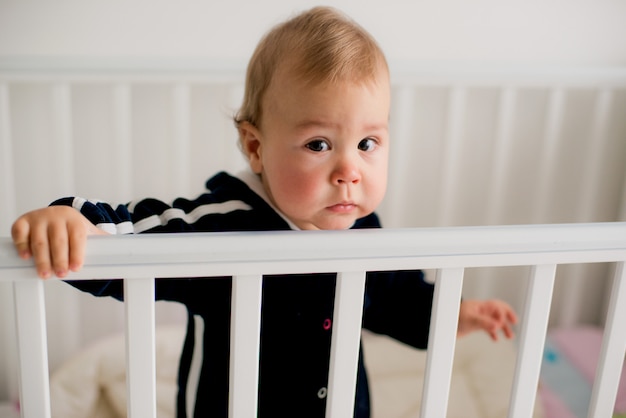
{"type": "Point", "coordinates": [77, 236]}
{"type": "Point", "coordinates": [59, 248]}
{"type": "Point", "coordinates": [40, 250]}
{"type": "Point", "coordinates": [507, 330]}
{"type": "Point", "coordinates": [511, 316]}
{"type": "Point", "coordinates": [20, 232]}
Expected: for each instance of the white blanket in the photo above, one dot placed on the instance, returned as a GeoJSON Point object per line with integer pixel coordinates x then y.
{"type": "Point", "coordinates": [93, 385]}
{"type": "Point", "coordinates": [482, 377]}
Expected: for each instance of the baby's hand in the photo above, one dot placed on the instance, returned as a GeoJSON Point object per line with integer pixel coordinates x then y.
{"type": "Point", "coordinates": [491, 316]}
{"type": "Point", "coordinates": [55, 237]}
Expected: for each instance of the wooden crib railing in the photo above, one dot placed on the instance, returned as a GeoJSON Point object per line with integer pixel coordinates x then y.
{"type": "Point", "coordinates": [247, 256]}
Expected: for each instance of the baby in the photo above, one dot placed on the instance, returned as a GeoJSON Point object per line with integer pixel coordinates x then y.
{"type": "Point", "coordinates": [313, 127]}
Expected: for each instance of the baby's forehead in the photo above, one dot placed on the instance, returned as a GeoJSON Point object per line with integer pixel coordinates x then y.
{"type": "Point", "coordinates": [290, 74]}
{"type": "Point", "coordinates": [306, 105]}
{"type": "Point", "coordinates": [319, 96]}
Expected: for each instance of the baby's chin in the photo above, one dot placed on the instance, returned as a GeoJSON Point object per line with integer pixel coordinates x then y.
{"type": "Point", "coordinates": [329, 224]}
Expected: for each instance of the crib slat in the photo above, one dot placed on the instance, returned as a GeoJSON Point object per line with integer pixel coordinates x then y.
{"type": "Point", "coordinates": [64, 147]}
{"type": "Point", "coordinates": [232, 155]}
{"type": "Point", "coordinates": [402, 127]}
{"type": "Point", "coordinates": [244, 345]}
{"type": "Point", "coordinates": [532, 340]}
{"type": "Point", "coordinates": [549, 153]}
{"type": "Point", "coordinates": [33, 349]}
{"type": "Point", "coordinates": [121, 102]}
{"type": "Point", "coordinates": [452, 156]}
{"type": "Point", "coordinates": [613, 347]}
{"type": "Point", "coordinates": [441, 342]}
{"type": "Point", "coordinates": [502, 154]}
{"type": "Point", "coordinates": [595, 155]}
{"type": "Point", "coordinates": [140, 348]}
{"type": "Point", "coordinates": [7, 174]}
{"type": "Point", "coordinates": [181, 147]}
{"type": "Point", "coordinates": [345, 342]}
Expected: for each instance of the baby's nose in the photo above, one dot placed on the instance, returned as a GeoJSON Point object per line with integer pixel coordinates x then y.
{"type": "Point", "coordinates": [346, 172]}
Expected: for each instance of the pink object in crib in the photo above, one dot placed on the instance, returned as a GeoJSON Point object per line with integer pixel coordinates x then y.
{"type": "Point", "coordinates": [581, 346]}
{"type": "Point", "coordinates": [553, 405]}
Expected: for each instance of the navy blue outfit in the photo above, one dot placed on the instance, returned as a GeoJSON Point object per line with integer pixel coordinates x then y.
{"type": "Point", "coordinates": [297, 310]}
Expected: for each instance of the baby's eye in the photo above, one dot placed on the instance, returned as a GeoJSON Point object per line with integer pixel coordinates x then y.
{"type": "Point", "coordinates": [367, 144]}
{"type": "Point", "coordinates": [318, 145]}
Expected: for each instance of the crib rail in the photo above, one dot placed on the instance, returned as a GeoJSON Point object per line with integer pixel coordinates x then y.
{"type": "Point", "coordinates": [247, 256]}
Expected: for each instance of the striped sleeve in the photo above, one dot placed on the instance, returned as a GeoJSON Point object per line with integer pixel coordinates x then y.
{"type": "Point", "coordinates": [152, 215]}
{"type": "Point", "coordinates": [103, 215]}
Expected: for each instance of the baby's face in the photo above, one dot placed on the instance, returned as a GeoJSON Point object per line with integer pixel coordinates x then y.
{"type": "Point", "coordinates": [323, 150]}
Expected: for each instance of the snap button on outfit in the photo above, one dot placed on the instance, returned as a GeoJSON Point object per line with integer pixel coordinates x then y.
{"type": "Point", "coordinates": [327, 324]}
{"type": "Point", "coordinates": [321, 393]}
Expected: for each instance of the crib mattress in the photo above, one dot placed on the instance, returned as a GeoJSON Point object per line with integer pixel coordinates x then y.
{"type": "Point", "coordinates": [92, 384]}
{"type": "Point", "coordinates": [482, 377]}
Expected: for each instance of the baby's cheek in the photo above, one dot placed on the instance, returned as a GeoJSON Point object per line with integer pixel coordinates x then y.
{"type": "Point", "coordinates": [296, 192]}
{"type": "Point", "coordinates": [301, 184]}
{"type": "Point", "coordinates": [376, 189]}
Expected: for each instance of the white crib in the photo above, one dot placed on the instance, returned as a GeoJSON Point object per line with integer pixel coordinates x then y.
{"type": "Point", "coordinates": [471, 146]}
{"type": "Point", "coordinates": [247, 256]}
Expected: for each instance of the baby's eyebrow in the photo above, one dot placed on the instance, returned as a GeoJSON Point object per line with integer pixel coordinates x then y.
{"type": "Point", "coordinates": [317, 123]}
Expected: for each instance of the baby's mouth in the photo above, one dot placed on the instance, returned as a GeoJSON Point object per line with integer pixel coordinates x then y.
{"type": "Point", "coordinates": [343, 207]}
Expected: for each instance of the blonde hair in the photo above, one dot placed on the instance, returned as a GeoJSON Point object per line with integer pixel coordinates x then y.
{"type": "Point", "coordinates": [321, 44]}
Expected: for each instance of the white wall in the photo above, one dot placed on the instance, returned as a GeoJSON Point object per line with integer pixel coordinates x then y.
{"type": "Point", "coordinates": [555, 32]}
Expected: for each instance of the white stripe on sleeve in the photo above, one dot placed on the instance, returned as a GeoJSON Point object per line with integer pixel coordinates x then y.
{"type": "Point", "coordinates": [191, 217]}
{"type": "Point", "coordinates": [123, 228]}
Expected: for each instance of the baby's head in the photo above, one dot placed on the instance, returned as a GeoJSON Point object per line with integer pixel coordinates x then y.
{"type": "Point", "coordinates": [320, 45]}
{"type": "Point", "coordinates": [314, 121]}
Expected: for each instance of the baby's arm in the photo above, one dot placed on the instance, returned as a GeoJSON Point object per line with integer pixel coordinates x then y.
{"type": "Point", "coordinates": [492, 316]}
{"type": "Point", "coordinates": [55, 237]}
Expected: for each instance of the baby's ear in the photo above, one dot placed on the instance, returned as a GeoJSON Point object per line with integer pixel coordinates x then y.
{"type": "Point", "coordinates": [251, 145]}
